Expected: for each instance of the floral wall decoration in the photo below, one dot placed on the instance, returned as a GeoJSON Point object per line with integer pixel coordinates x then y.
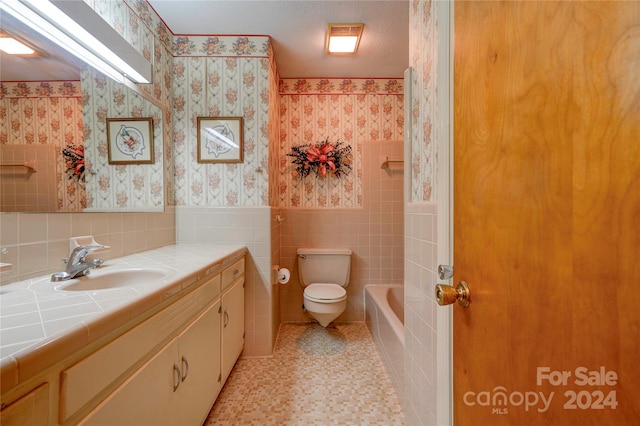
{"type": "Point", "coordinates": [46, 113]}
{"type": "Point", "coordinates": [324, 158]}
{"type": "Point", "coordinates": [353, 111]}
{"type": "Point", "coordinates": [74, 161]}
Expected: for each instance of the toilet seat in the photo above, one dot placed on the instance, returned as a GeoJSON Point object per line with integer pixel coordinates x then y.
{"type": "Point", "coordinates": [325, 293]}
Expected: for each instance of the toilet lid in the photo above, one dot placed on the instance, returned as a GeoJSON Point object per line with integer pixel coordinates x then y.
{"type": "Point", "coordinates": [326, 292]}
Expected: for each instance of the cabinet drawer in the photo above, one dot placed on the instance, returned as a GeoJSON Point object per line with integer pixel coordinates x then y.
{"type": "Point", "coordinates": [88, 378]}
{"type": "Point", "coordinates": [233, 272]}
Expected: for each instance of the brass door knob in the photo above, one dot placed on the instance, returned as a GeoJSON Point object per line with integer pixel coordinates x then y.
{"type": "Point", "coordinates": [446, 294]}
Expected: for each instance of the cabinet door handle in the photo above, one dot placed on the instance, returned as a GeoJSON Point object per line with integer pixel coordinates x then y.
{"type": "Point", "coordinates": [177, 377]}
{"type": "Point", "coordinates": [226, 318]}
{"type": "Point", "coordinates": [185, 368]}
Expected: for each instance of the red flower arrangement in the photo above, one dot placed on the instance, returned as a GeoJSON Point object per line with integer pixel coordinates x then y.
{"type": "Point", "coordinates": [322, 158]}
{"type": "Point", "coordinates": [74, 160]}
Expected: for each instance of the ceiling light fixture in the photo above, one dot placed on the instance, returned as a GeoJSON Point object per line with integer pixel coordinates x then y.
{"type": "Point", "coordinates": [48, 20]}
{"type": "Point", "coordinates": [343, 39]}
{"type": "Point", "coordinates": [13, 46]}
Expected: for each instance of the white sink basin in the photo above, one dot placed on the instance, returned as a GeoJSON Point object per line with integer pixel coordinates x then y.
{"type": "Point", "coordinates": [109, 279]}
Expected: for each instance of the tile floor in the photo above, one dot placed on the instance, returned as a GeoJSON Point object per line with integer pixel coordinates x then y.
{"type": "Point", "coordinates": [316, 376]}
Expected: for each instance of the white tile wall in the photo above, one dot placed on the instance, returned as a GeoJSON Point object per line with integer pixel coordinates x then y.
{"type": "Point", "coordinates": [252, 227]}
{"type": "Point", "coordinates": [420, 312]}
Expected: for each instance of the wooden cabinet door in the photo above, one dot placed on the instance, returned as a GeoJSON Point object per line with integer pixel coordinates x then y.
{"type": "Point", "coordinates": [547, 212]}
{"type": "Point", "coordinates": [232, 327]}
{"type": "Point", "coordinates": [200, 366]}
{"type": "Point", "coordinates": [32, 409]}
{"type": "Point", "coordinates": [177, 386]}
{"type": "Point", "coordinates": [146, 398]}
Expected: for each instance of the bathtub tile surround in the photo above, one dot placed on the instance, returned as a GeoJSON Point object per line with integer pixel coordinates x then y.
{"type": "Point", "coordinates": [316, 376]}
{"type": "Point", "coordinates": [384, 316]}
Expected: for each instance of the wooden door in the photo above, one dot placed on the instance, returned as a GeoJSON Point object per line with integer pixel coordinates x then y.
{"type": "Point", "coordinates": [547, 212]}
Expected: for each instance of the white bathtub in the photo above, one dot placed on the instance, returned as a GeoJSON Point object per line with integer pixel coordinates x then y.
{"type": "Point", "coordinates": [384, 315]}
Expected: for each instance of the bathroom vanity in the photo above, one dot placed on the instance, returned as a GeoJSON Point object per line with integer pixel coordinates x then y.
{"type": "Point", "coordinates": [157, 353]}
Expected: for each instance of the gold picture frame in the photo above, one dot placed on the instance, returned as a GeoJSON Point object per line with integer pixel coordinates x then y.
{"type": "Point", "coordinates": [130, 140]}
{"type": "Point", "coordinates": [220, 140]}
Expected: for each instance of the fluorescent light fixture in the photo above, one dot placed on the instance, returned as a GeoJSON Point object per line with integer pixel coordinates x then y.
{"type": "Point", "coordinates": [343, 39]}
{"type": "Point", "coordinates": [13, 46]}
{"type": "Point", "coordinates": [45, 18]}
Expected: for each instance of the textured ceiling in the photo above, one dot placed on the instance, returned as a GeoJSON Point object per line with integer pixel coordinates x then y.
{"type": "Point", "coordinates": [297, 29]}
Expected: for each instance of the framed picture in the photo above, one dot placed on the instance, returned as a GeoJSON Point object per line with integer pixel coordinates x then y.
{"type": "Point", "coordinates": [220, 140]}
{"type": "Point", "coordinates": [130, 140]}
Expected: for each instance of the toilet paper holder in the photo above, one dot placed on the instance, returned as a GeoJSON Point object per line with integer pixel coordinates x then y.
{"type": "Point", "coordinates": [282, 274]}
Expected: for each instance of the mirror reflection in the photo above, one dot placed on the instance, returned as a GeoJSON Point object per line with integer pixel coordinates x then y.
{"type": "Point", "coordinates": [132, 187]}
{"type": "Point", "coordinates": [53, 110]}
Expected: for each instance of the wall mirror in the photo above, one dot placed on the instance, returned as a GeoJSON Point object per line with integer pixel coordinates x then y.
{"type": "Point", "coordinates": [53, 112]}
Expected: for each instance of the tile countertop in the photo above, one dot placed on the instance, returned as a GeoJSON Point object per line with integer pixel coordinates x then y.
{"type": "Point", "coordinates": [41, 324]}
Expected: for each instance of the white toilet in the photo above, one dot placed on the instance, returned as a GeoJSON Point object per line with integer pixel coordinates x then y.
{"type": "Point", "coordinates": [324, 272]}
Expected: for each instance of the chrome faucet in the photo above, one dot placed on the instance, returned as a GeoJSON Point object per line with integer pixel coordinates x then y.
{"type": "Point", "coordinates": [77, 265]}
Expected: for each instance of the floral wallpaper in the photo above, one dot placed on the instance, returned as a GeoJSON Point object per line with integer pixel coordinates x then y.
{"type": "Point", "coordinates": [213, 75]}
{"type": "Point", "coordinates": [223, 77]}
{"type": "Point", "coordinates": [110, 186]}
{"type": "Point", "coordinates": [132, 186]}
{"type": "Point", "coordinates": [423, 53]}
{"type": "Point", "coordinates": [46, 113]}
{"type": "Point", "coordinates": [352, 111]}
{"type": "Point", "coordinates": [138, 23]}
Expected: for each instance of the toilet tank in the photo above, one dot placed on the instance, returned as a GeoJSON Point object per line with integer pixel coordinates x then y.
{"type": "Point", "coordinates": [324, 265]}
